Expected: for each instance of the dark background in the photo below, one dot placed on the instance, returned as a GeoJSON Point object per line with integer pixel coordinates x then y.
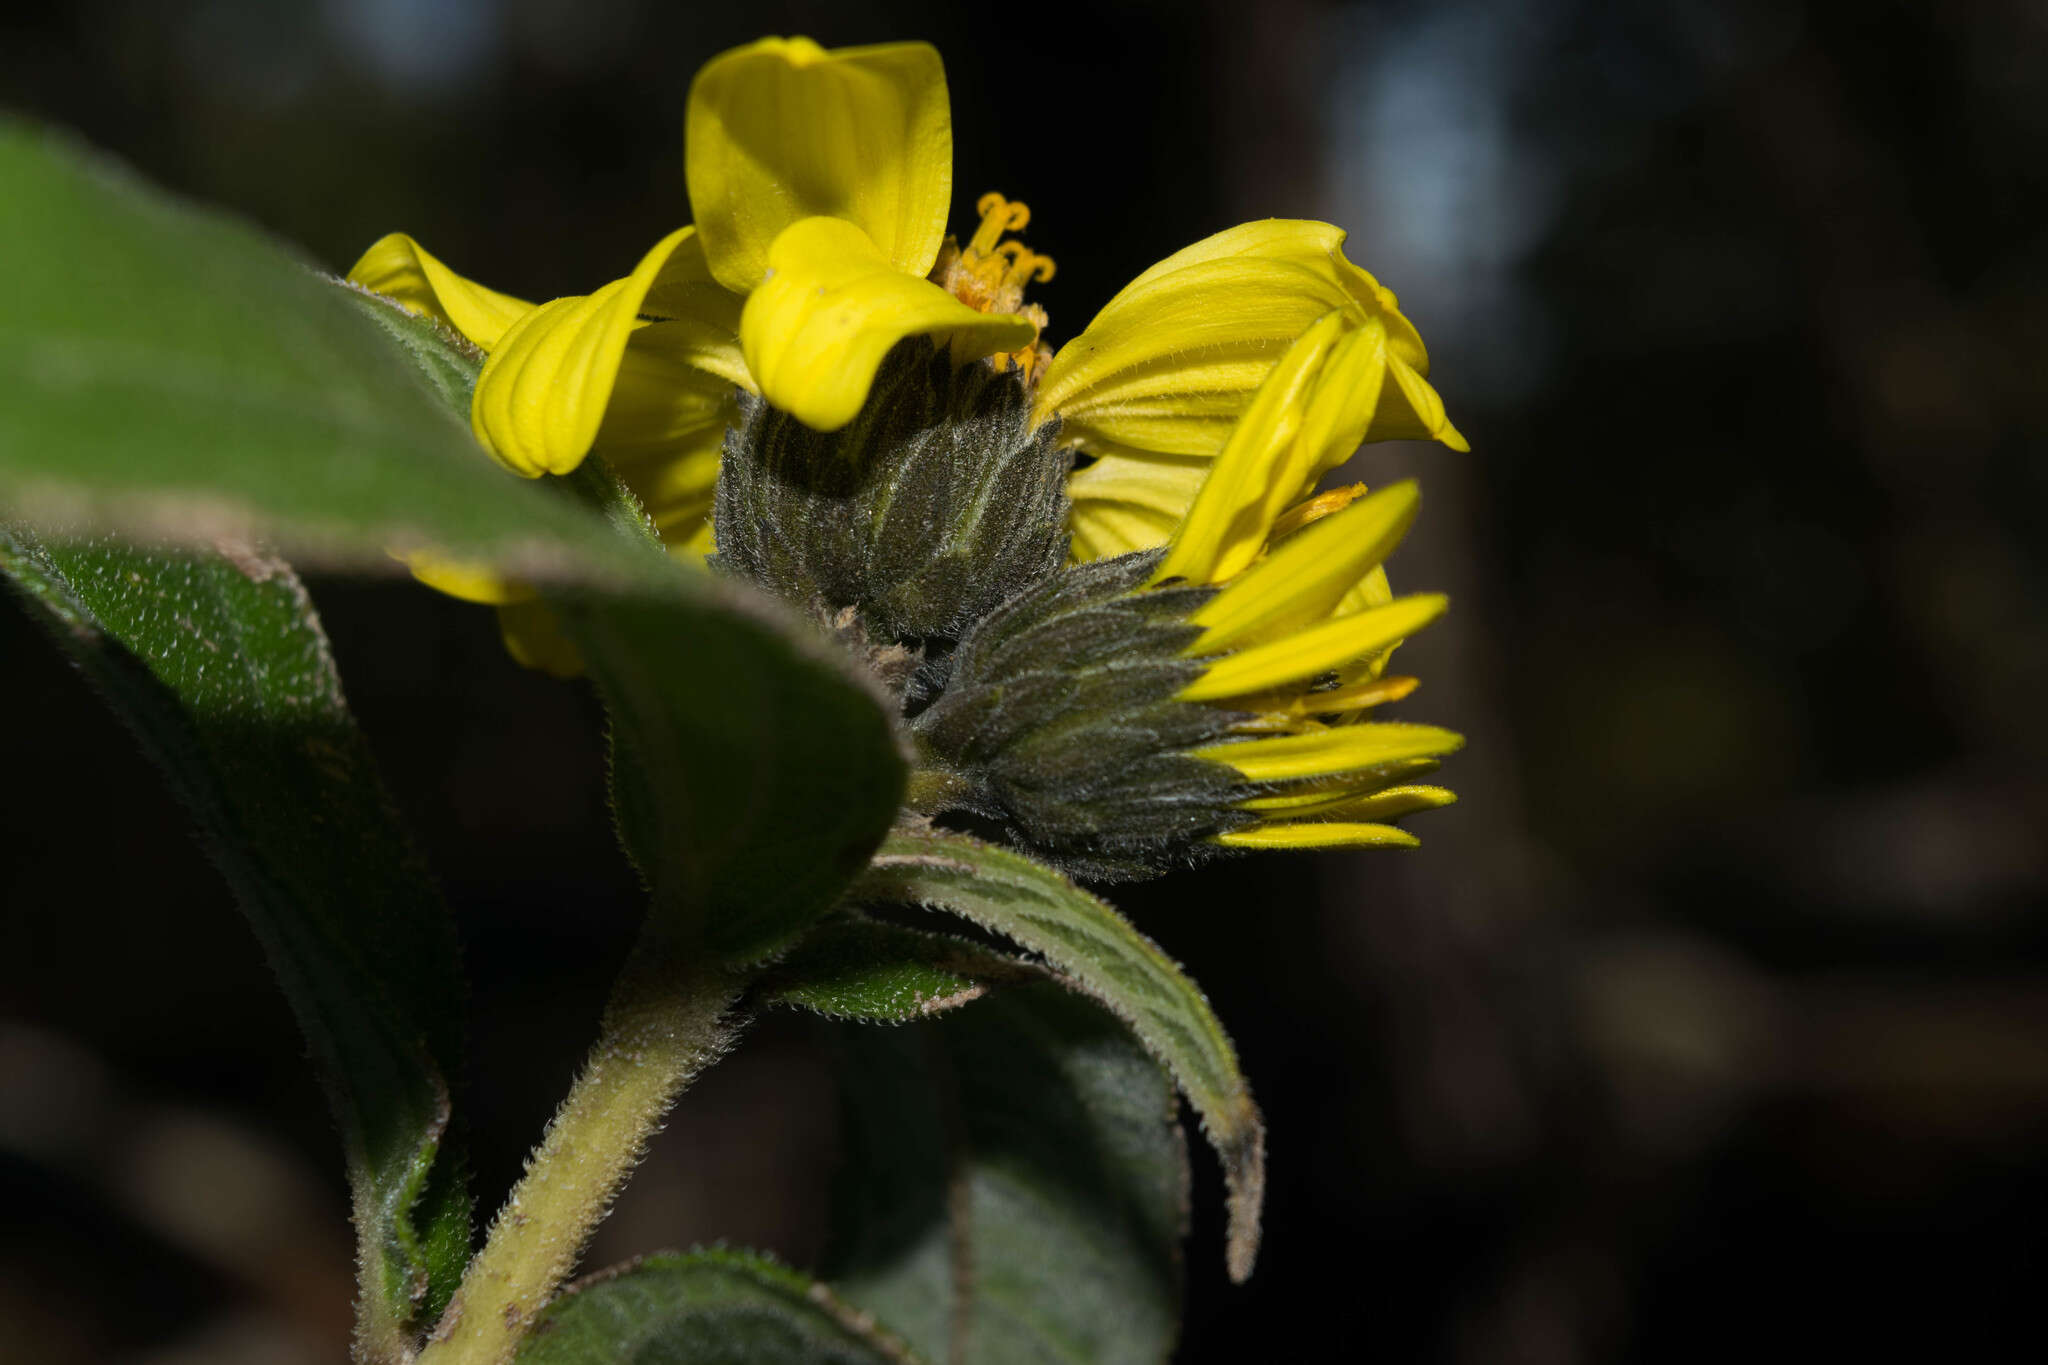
{"type": "Point", "coordinates": [1714, 1020]}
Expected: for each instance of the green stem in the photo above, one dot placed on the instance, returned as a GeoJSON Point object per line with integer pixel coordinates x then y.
{"type": "Point", "coordinates": [665, 1023]}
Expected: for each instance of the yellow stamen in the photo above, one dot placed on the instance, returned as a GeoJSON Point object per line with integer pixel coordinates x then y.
{"type": "Point", "coordinates": [998, 216]}
{"type": "Point", "coordinates": [1022, 266]}
{"type": "Point", "coordinates": [989, 274]}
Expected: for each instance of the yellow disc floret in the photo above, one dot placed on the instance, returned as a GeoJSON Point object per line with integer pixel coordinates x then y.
{"type": "Point", "coordinates": [989, 274]}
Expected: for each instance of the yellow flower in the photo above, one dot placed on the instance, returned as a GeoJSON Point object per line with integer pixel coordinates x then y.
{"type": "Point", "coordinates": [1219, 690]}
{"type": "Point", "coordinates": [1156, 384]}
{"type": "Point", "coordinates": [820, 183]}
{"type": "Point", "coordinates": [641, 371]}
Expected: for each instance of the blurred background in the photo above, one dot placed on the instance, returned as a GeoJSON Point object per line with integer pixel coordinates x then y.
{"type": "Point", "coordinates": [1714, 1019]}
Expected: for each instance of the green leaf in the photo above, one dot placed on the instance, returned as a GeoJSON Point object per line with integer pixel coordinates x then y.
{"type": "Point", "coordinates": [1014, 1187]}
{"type": "Point", "coordinates": [219, 666]}
{"type": "Point", "coordinates": [169, 373]}
{"type": "Point", "coordinates": [1090, 944]}
{"type": "Point", "coordinates": [713, 1307]}
{"type": "Point", "coordinates": [446, 360]}
{"type": "Point", "coordinates": [172, 372]}
{"type": "Point", "coordinates": [753, 772]}
{"type": "Point", "coordinates": [752, 778]}
{"type": "Point", "coordinates": [854, 967]}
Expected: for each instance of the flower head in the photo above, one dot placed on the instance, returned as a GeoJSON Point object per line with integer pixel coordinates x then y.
{"type": "Point", "coordinates": [1119, 614]}
{"type": "Point", "coordinates": [1148, 708]}
{"type": "Point", "coordinates": [820, 181]}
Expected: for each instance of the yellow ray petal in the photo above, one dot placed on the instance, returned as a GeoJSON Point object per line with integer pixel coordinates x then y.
{"type": "Point", "coordinates": [1164, 483]}
{"type": "Point", "coordinates": [1283, 709]}
{"type": "Point", "coordinates": [1332, 834]}
{"type": "Point", "coordinates": [1344, 788]}
{"type": "Point", "coordinates": [1345, 803]}
{"type": "Point", "coordinates": [831, 308]}
{"type": "Point", "coordinates": [467, 579]}
{"type": "Point", "coordinates": [1306, 419]}
{"type": "Point", "coordinates": [676, 484]}
{"type": "Point", "coordinates": [660, 402]}
{"type": "Point", "coordinates": [1192, 338]}
{"type": "Point", "coordinates": [534, 637]}
{"type": "Point", "coordinates": [1302, 241]}
{"type": "Point", "coordinates": [700, 546]}
{"type": "Point", "coordinates": [783, 130]}
{"type": "Point", "coordinates": [1410, 410]}
{"type": "Point", "coordinates": [1387, 804]}
{"type": "Point", "coordinates": [543, 393]}
{"type": "Point", "coordinates": [1180, 421]}
{"type": "Point", "coordinates": [665, 428]}
{"type": "Point", "coordinates": [1340, 413]}
{"type": "Point", "coordinates": [1318, 649]}
{"type": "Point", "coordinates": [1123, 502]}
{"type": "Point", "coordinates": [1226, 528]}
{"type": "Point", "coordinates": [696, 320]}
{"type": "Point", "coordinates": [399, 268]}
{"type": "Point", "coordinates": [1373, 590]}
{"type": "Point", "coordinates": [1327, 753]}
{"type": "Point", "coordinates": [1171, 372]}
{"type": "Point", "coordinates": [1309, 574]}
{"type": "Point", "coordinates": [1104, 529]}
{"type": "Point", "coordinates": [1353, 697]}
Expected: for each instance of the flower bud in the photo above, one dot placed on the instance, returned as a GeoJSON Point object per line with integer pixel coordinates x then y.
{"type": "Point", "coordinates": [937, 502]}
{"type": "Point", "coordinates": [1060, 715]}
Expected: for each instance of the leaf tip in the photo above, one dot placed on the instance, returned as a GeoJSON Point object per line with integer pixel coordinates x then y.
{"type": "Point", "coordinates": [1244, 1170]}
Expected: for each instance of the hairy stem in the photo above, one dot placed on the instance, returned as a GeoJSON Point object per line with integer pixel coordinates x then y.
{"type": "Point", "coordinates": [665, 1023]}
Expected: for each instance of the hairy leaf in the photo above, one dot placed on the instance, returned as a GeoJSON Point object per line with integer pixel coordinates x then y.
{"type": "Point", "coordinates": [219, 666]}
{"type": "Point", "coordinates": [172, 372]}
{"type": "Point", "coordinates": [753, 770]}
{"type": "Point", "coordinates": [854, 967]}
{"type": "Point", "coordinates": [445, 360]}
{"type": "Point", "coordinates": [174, 376]}
{"type": "Point", "coordinates": [1014, 1187]}
{"type": "Point", "coordinates": [706, 1308]}
{"type": "Point", "coordinates": [1097, 949]}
